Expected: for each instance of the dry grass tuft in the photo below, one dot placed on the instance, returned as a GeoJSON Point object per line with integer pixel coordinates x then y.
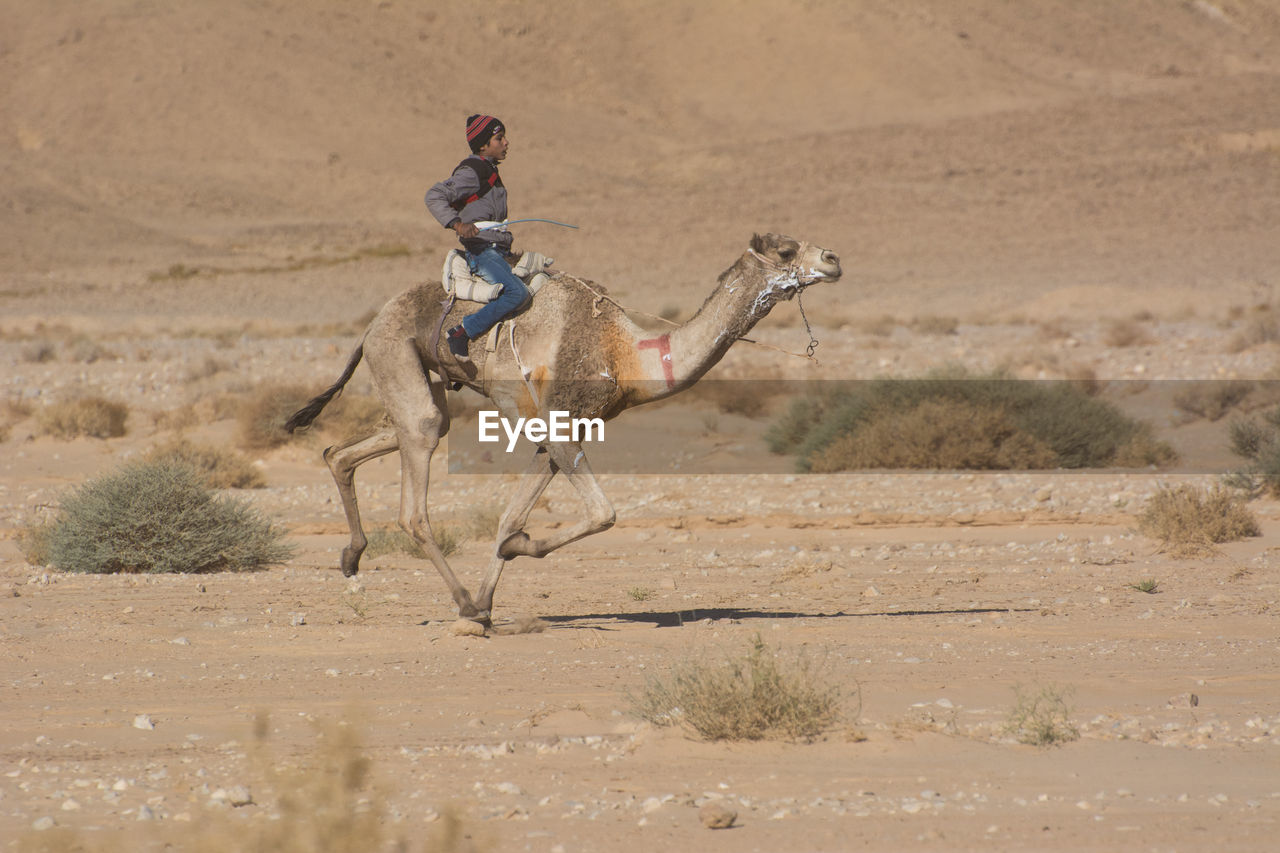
{"type": "Point", "coordinates": [1212, 399]}
{"type": "Point", "coordinates": [1125, 333]}
{"type": "Point", "coordinates": [261, 417]}
{"type": "Point", "coordinates": [932, 324]}
{"type": "Point", "coordinates": [95, 417]}
{"type": "Point", "coordinates": [1041, 717]}
{"type": "Point", "coordinates": [1189, 520]}
{"type": "Point", "coordinates": [220, 468]}
{"type": "Point", "coordinates": [352, 415]}
{"type": "Point", "coordinates": [393, 540]}
{"type": "Point", "coordinates": [11, 412]}
{"type": "Point", "coordinates": [1261, 326]}
{"type": "Point", "coordinates": [759, 695]}
{"type": "Point", "coordinates": [481, 522]}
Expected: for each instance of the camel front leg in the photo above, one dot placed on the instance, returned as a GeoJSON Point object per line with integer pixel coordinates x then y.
{"type": "Point", "coordinates": [533, 483]}
{"type": "Point", "coordinates": [572, 461]}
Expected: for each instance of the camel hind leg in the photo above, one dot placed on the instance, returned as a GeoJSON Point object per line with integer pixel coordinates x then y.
{"type": "Point", "coordinates": [343, 459]}
{"type": "Point", "coordinates": [415, 401]}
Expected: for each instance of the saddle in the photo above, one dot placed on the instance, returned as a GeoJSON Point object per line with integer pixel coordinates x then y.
{"type": "Point", "coordinates": [461, 283]}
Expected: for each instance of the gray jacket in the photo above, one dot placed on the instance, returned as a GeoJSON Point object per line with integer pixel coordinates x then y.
{"type": "Point", "coordinates": [463, 184]}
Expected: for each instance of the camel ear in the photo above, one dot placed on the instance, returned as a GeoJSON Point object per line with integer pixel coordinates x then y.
{"type": "Point", "coordinates": [757, 243]}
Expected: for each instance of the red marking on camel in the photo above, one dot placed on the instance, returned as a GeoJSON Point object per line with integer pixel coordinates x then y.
{"type": "Point", "coordinates": [663, 345]}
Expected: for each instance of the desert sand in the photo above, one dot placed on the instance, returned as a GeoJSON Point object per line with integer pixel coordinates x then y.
{"type": "Point", "coordinates": [202, 199]}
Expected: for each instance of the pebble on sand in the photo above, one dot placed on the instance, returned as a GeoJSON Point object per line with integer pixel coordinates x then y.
{"type": "Point", "coordinates": [467, 628]}
{"type": "Point", "coordinates": [716, 816]}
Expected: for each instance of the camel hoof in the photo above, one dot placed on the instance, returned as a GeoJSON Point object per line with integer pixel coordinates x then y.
{"type": "Point", "coordinates": [467, 628]}
{"type": "Point", "coordinates": [350, 564]}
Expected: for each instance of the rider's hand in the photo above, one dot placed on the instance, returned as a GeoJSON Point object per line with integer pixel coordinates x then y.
{"type": "Point", "coordinates": [466, 230]}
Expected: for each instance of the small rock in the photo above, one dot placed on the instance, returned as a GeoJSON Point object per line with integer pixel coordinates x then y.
{"type": "Point", "coordinates": [41, 824]}
{"type": "Point", "coordinates": [143, 721]}
{"type": "Point", "coordinates": [716, 816]}
{"type": "Point", "coordinates": [467, 628]}
{"type": "Point", "coordinates": [146, 813]}
{"type": "Point", "coordinates": [239, 795]}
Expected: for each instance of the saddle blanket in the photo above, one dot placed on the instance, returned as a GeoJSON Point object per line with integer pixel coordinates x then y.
{"type": "Point", "coordinates": [460, 281]}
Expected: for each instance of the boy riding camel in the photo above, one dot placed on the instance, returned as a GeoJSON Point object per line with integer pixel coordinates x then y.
{"type": "Point", "coordinates": [474, 193]}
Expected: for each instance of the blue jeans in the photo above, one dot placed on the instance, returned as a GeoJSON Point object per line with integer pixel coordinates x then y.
{"type": "Point", "coordinates": [493, 268]}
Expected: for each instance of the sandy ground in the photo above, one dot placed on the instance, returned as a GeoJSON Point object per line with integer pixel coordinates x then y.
{"type": "Point", "coordinates": [202, 202]}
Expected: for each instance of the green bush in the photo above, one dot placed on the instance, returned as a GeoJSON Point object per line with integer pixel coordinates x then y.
{"type": "Point", "coordinates": [950, 419]}
{"type": "Point", "coordinates": [757, 696]}
{"type": "Point", "coordinates": [159, 517]}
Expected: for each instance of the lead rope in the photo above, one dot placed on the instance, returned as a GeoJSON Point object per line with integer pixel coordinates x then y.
{"type": "Point", "coordinates": [813, 342]}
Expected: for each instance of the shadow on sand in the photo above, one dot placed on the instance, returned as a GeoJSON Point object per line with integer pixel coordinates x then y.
{"type": "Point", "coordinates": [676, 618]}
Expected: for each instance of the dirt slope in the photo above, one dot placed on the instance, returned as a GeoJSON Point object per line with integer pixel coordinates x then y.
{"type": "Point", "coordinates": [988, 147]}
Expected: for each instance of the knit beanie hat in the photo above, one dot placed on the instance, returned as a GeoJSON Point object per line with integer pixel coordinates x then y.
{"type": "Point", "coordinates": [480, 129]}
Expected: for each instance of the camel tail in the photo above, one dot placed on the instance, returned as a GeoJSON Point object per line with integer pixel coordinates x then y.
{"type": "Point", "coordinates": [308, 413]}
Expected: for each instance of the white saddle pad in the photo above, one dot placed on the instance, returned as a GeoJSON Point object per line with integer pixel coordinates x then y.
{"type": "Point", "coordinates": [458, 279]}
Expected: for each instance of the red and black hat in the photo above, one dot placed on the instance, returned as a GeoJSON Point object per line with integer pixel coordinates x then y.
{"type": "Point", "coordinates": [480, 129]}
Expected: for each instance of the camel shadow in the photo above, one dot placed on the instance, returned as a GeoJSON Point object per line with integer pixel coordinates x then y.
{"type": "Point", "coordinates": [677, 618]}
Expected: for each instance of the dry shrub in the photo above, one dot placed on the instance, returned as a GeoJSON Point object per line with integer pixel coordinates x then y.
{"type": "Point", "coordinates": [756, 696]}
{"type": "Point", "coordinates": [95, 417]}
{"type": "Point", "coordinates": [393, 540]}
{"type": "Point", "coordinates": [86, 350]}
{"type": "Point", "coordinates": [1258, 443]}
{"type": "Point", "coordinates": [1211, 399]}
{"type": "Point", "coordinates": [328, 800]}
{"type": "Point", "coordinates": [1041, 717]}
{"type": "Point", "coordinates": [932, 324]}
{"type": "Point", "coordinates": [747, 397]}
{"type": "Point", "coordinates": [1052, 330]}
{"type": "Point", "coordinates": [12, 411]}
{"type": "Point", "coordinates": [481, 522]}
{"type": "Point", "coordinates": [880, 327]}
{"type": "Point", "coordinates": [1125, 333]}
{"type": "Point", "coordinates": [1004, 421]}
{"type": "Point", "coordinates": [937, 434]}
{"type": "Point", "coordinates": [261, 417]}
{"type": "Point", "coordinates": [219, 468]}
{"type": "Point", "coordinates": [352, 415]}
{"type": "Point", "coordinates": [207, 369]}
{"type": "Point", "coordinates": [159, 517]}
{"type": "Point", "coordinates": [40, 352]}
{"type": "Point", "coordinates": [1190, 520]}
{"type": "Point", "coordinates": [1261, 326]}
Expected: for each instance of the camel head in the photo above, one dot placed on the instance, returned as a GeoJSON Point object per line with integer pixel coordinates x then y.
{"type": "Point", "coordinates": [795, 264]}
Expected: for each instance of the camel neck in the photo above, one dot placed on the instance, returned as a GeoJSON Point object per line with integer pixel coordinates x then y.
{"type": "Point", "coordinates": [670, 361]}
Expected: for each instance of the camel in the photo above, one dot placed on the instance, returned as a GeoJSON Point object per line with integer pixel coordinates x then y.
{"type": "Point", "coordinates": [571, 350]}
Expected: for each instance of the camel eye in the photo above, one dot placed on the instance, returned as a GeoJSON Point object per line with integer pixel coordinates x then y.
{"type": "Point", "coordinates": [787, 253]}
